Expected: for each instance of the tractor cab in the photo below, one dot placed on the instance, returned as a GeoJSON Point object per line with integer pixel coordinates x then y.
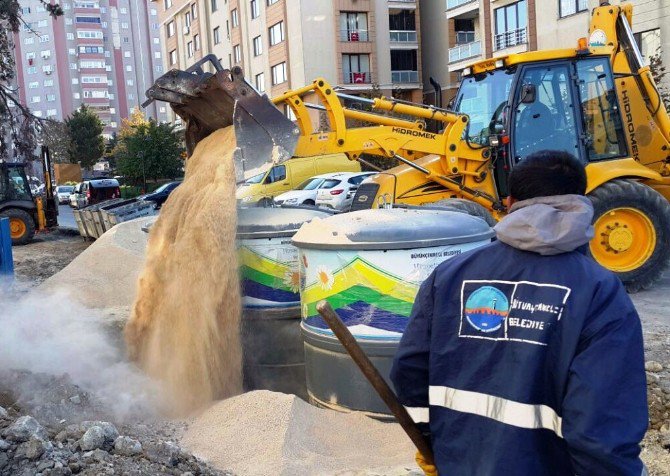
{"type": "Point", "coordinates": [25, 211]}
{"type": "Point", "coordinates": [567, 104]}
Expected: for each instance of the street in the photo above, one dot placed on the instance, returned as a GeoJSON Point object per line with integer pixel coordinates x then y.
{"type": "Point", "coordinates": [66, 217]}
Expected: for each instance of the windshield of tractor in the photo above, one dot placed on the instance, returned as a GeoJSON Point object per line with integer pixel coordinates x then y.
{"type": "Point", "coordinates": [483, 97]}
{"type": "Point", "coordinates": [18, 186]}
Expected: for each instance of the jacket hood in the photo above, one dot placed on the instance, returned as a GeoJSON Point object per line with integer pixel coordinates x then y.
{"type": "Point", "coordinates": [548, 225]}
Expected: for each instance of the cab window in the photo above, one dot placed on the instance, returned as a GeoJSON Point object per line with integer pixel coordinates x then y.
{"type": "Point", "coordinates": [277, 173]}
{"type": "Point", "coordinates": [603, 132]}
{"type": "Point", "coordinates": [544, 112]}
{"type": "Point", "coordinates": [18, 188]}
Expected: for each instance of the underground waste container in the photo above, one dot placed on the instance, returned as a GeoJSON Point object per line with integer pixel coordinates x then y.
{"type": "Point", "coordinates": [369, 265]}
{"type": "Point", "coordinates": [269, 276]}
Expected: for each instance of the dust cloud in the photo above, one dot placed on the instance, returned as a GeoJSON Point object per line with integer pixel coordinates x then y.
{"type": "Point", "coordinates": [184, 325]}
{"type": "Point", "coordinates": [49, 333]}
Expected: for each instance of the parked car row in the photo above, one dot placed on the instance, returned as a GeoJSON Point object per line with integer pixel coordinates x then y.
{"type": "Point", "coordinates": [335, 191]}
{"type": "Point", "coordinates": [90, 192]}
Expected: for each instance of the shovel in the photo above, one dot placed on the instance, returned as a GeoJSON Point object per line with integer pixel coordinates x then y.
{"type": "Point", "coordinates": [376, 380]}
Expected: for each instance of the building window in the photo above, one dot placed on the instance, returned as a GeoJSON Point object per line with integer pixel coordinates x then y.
{"type": "Point", "coordinates": [75, 80]}
{"type": "Point", "coordinates": [86, 20]}
{"type": "Point", "coordinates": [356, 69]}
{"type": "Point", "coordinates": [258, 46]}
{"type": "Point", "coordinates": [187, 19]}
{"type": "Point", "coordinates": [272, 2]}
{"type": "Point", "coordinates": [173, 57]}
{"type": "Point", "coordinates": [189, 49]}
{"type": "Point", "coordinates": [126, 54]}
{"type": "Point", "coordinates": [157, 41]}
{"type": "Point", "coordinates": [48, 82]}
{"type": "Point", "coordinates": [32, 70]}
{"type": "Point", "coordinates": [157, 54]}
{"type": "Point", "coordinates": [153, 12]}
{"type": "Point", "coordinates": [68, 21]}
{"type": "Point", "coordinates": [89, 34]}
{"type": "Point", "coordinates": [129, 68]}
{"type": "Point", "coordinates": [170, 29]}
{"type": "Point", "coordinates": [194, 10]}
{"type": "Point", "coordinates": [279, 74]}
{"type": "Point", "coordinates": [217, 36]}
{"type": "Point", "coordinates": [167, 4]}
{"type": "Point", "coordinates": [260, 82]}
{"type": "Point", "coordinates": [124, 25]}
{"type": "Point", "coordinates": [649, 43]}
{"type": "Point", "coordinates": [30, 56]}
{"type": "Point", "coordinates": [353, 26]}
{"type": "Point", "coordinates": [43, 23]}
{"type": "Point", "coordinates": [75, 95]}
{"type": "Point", "coordinates": [276, 33]}
{"type": "Point", "coordinates": [51, 112]}
{"type": "Point", "coordinates": [215, 5]}
{"type": "Point", "coordinates": [71, 51]}
{"type": "Point", "coordinates": [237, 53]}
{"type": "Point", "coordinates": [37, 113]}
{"type": "Point", "coordinates": [570, 7]}
{"type": "Point", "coordinates": [255, 9]}
{"type": "Point", "coordinates": [35, 99]}
{"type": "Point", "coordinates": [69, 36]}
{"type": "Point", "coordinates": [44, 39]}
{"type": "Point", "coordinates": [34, 85]}
{"type": "Point", "coordinates": [124, 10]}
{"type": "Point", "coordinates": [51, 97]}
{"type": "Point", "coordinates": [196, 42]}
{"type": "Point", "coordinates": [511, 22]}
{"type": "Point", "coordinates": [130, 82]}
{"type": "Point", "coordinates": [234, 19]}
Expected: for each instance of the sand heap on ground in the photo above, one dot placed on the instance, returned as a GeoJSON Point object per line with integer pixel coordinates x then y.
{"type": "Point", "coordinates": [184, 326]}
{"type": "Point", "coordinates": [267, 433]}
{"type": "Point", "coordinates": [105, 274]}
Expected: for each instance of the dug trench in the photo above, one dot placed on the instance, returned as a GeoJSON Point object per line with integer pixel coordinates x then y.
{"type": "Point", "coordinates": [73, 403]}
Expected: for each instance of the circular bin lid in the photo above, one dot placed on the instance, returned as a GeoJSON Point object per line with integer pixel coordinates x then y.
{"type": "Point", "coordinates": [388, 229]}
{"type": "Point", "coordinates": [259, 222]}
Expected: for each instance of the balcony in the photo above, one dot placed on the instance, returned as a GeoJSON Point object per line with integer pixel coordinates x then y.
{"type": "Point", "coordinates": [465, 51]}
{"type": "Point", "coordinates": [462, 8]}
{"type": "Point", "coordinates": [451, 4]}
{"type": "Point", "coordinates": [403, 36]}
{"type": "Point", "coordinates": [510, 38]}
{"type": "Point", "coordinates": [403, 4]}
{"type": "Point", "coordinates": [357, 77]}
{"type": "Point", "coordinates": [399, 77]}
{"type": "Point", "coordinates": [351, 35]}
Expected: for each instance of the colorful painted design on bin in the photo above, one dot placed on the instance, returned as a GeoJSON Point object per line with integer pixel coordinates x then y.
{"type": "Point", "coordinates": [359, 280]}
{"type": "Point", "coordinates": [365, 319]}
{"type": "Point", "coordinates": [266, 278]}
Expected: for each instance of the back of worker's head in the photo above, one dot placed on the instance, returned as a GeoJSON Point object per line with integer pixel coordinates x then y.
{"type": "Point", "coordinates": [546, 173]}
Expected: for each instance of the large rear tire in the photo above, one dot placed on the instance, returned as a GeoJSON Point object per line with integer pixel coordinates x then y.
{"type": "Point", "coordinates": [21, 225]}
{"type": "Point", "coordinates": [469, 207]}
{"type": "Point", "coordinates": [632, 232]}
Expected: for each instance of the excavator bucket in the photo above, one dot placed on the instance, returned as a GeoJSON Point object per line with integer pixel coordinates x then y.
{"type": "Point", "coordinates": [210, 101]}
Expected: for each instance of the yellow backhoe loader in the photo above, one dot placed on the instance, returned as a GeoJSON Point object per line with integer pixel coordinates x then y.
{"type": "Point", "coordinates": [597, 101]}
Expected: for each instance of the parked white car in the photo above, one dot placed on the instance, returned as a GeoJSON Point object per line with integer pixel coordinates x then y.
{"type": "Point", "coordinates": [305, 193]}
{"type": "Point", "coordinates": [338, 191]}
{"type": "Point", "coordinates": [64, 192]}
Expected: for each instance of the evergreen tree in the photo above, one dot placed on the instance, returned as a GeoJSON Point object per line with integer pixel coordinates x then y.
{"type": "Point", "coordinates": [87, 144]}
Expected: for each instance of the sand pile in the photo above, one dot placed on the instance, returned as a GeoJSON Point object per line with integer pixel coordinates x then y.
{"type": "Point", "coordinates": [263, 433]}
{"type": "Point", "coordinates": [105, 274]}
{"type": "Point", "coordinates": [184, 326]}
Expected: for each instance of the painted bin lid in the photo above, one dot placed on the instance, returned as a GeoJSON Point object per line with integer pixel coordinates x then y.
{"type": "Point", "coordinates": [392, 229]}
{"type": "Point", "coordinates": [260, 222]}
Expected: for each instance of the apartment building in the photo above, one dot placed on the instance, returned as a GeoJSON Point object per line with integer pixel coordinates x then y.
{"type": "Point", "coordinates": [102, 53]}
{"type": "Point", "coordinates": [357, 45]}
{"type": "Point", "coordinates": [480, 29]}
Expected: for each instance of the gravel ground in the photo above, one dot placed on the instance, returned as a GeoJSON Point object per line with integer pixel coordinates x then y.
{"type": "Point", "coordinates": [50, 253]}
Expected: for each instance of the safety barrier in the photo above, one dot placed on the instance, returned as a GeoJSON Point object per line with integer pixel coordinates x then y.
{"type": "Point", "coordinates": [6, 259]}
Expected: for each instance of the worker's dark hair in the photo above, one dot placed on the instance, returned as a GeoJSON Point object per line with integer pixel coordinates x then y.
{"type": "Point", "coordinates": [545, 173]}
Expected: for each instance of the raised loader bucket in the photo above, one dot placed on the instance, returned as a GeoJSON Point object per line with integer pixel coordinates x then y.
{"type": "Point", "coordinates": [210, 101]}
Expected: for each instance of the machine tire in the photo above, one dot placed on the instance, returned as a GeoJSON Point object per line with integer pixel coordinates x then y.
{"type": "Point", "coordinates": [21, 225]}
{"type": "Point", "coordinates": [469, 207]}
{"type": "Point", "coordinates": [625, 208]}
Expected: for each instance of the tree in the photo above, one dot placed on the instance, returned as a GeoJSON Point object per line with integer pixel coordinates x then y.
{"type": "Point", "coordinates": [87, 144]}
{"type": "Point", "coordinates": [17, 123]}
{"type": "Point", "coordinates": [56, 136]}
{"type": "Point", "coordinates": [659, 73]}
{"type": "Point", "coordinates": [149, 151]}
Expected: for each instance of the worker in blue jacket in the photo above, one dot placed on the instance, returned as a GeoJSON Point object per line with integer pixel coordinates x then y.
{"type": "Point", "coordinates": [525, 357]}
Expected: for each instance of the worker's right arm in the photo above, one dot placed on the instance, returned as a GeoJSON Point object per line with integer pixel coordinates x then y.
{"type": "Point", "coordinates": [410, 366]}
{"type": "Point", "coordinates": [605, 406]}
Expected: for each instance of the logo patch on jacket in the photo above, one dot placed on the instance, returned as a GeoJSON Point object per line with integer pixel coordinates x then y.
{"type": "Point", "coordinates": [520, 311]}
